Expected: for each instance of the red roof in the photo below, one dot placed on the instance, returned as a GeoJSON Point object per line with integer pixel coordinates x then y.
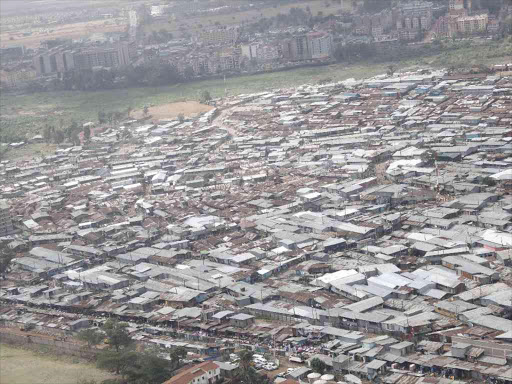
{"type": "Point", "coordinates": [186, 376]}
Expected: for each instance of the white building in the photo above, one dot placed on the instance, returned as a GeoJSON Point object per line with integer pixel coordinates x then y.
{"type": "Point", "coordinates": [320, 45]}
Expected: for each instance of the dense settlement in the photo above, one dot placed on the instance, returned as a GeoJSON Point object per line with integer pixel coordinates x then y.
{"type": "Point", "coordinates": [366, 223]}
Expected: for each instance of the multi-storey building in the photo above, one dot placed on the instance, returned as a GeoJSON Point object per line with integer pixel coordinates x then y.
{"type": "Point", "coordinates": [63, 59]}
{"type": "Point", "coordinates": [6, 227]}
{"type": "Point", "coordinates": [445, 26]}
{"type": "Point", "coordinates": [268, 52]}
{"type": "Point", "coordinates": [110, 57]}
{"type": "Point", "coordinates": [250, 51]}
{"type": "Point", "coordinates": [314, 45]}
{"type": "Point", "coordinates": [12, 52]}
{"type": "Point", "coordinates": [17, 77]}
{"type": "Point", "coordinates": [472, 24]}
{"type": "Point", "coordinates": [296, 48]}
{"type": "Point", "coordinates": [416, 15]}
{"type": "Point", "coordinates": [300, 47]}
{"type": "Point", "coordinates": [320, 45]}
{"type": "Point", "coordinates": [219, 36]}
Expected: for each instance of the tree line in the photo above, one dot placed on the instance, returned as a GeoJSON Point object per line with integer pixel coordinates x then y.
{"type": "Point", "coordinates": [148, 74]}
{"type": "Point", "coordinates": [122, 357]}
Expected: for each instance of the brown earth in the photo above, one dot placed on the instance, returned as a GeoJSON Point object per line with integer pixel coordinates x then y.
{"type": "Point", "coordinates": [172, 110]}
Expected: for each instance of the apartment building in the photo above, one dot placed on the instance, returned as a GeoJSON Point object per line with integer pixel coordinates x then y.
{"type": "Point", "coordinates": [473, 24]}
{"type": "Point", "coordinates": [62, 59]}
{"type": "Point", "coordinates": [6, 227]}
{"type": "Point", "coordinates": [416, 15]}
{"type": "Point", "coordinates": [17, 77]}
{"type": "Point", "coordinates": [321, 45]}
{"type": "Point", "coordinates": [110, 57]}
{"type": "Point", "coordinates": [219, 36]}
{"type": "Point", "coordinates": [250, 51]}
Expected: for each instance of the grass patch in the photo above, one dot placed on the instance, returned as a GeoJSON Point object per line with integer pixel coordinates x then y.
{"type": "Point", "coordinates": [29, 151]}
{"type": "Point", "coordinates": [19, 366]}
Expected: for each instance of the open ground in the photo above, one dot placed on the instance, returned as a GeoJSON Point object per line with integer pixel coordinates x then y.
{"type": "Point", "coordinates": [19, 366]}
{"type": "Point", "coordinates": [172, 110]}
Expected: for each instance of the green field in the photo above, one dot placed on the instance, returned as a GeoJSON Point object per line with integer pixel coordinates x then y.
{"type": "Point", "coordinates": [19, 366]}
{"type": "Point", "coordinates": [27, 114]}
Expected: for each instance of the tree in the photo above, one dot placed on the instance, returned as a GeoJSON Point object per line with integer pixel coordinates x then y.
{"type": "Point", "coordinates": [59, 137]}
{"type": "Point", "coordinates": [205, 97]}
{"type": "Point", "coordinates": [490, 182]}
{"type": "Point", "coordinates": [245, 359]}
{"type": "Point", "coordinates": [87, 133]}
{"type": "Point", "coordinates": [149, 368]}
{"type": "Point", "coordinates": [75, 139]}
{"type": "Point", "coordinates": [318, 365]}
{"type": "Point", "coordinates": [181, 117]}
{"type": "Point", "coordinates": [90, 336]}
{"type": "Point", "coordinates": [117, 335]}
{"type": "Point", "coordinates": [145, 110]}
{"type": "Point", "coordinates": [129, 111]}
{"type": "Point", "coordinates": [247, 374]}
{"type": "Point", "coordinates": [117, 116]}
{"type": "Point", "coordinates": [6, 257]}
{"type": "Point", "coordinates": [47, 133]}
{"type": "Point", "coordinates": [189, 73]}
{"type": "Point", "coordinates": [176, 355]}
{"type": "Point", "coordinates": [74, 126]}
{"type": "Point", "coordinates": [102, 117]}
{"type": "Point", "coordinates": [391, 69]}
{"type": "Point", "coordinates": [119, 355]}
{"type": "Point", "coordinates": [117, 361]}
{"type": "Point", "coordinates": [110, 117]}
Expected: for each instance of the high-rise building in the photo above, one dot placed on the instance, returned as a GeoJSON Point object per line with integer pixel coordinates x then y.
{"type": "Point", "coordinates": [63, 59]}
{"type": "Point", "coordinates": [300, 48]}
{"type": "Point", "coordinates": [320, 45]}
{"type": "Point", "coordinates": [416, 15]}
{"type": "Point", "coordinates": [250, 51]}
{"type": "Point", "coordinates": [55, 60]}
{"type": "Point", "coordinates": [6, 227]}
{"type": "Point", "coordinates": [109, 57]}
